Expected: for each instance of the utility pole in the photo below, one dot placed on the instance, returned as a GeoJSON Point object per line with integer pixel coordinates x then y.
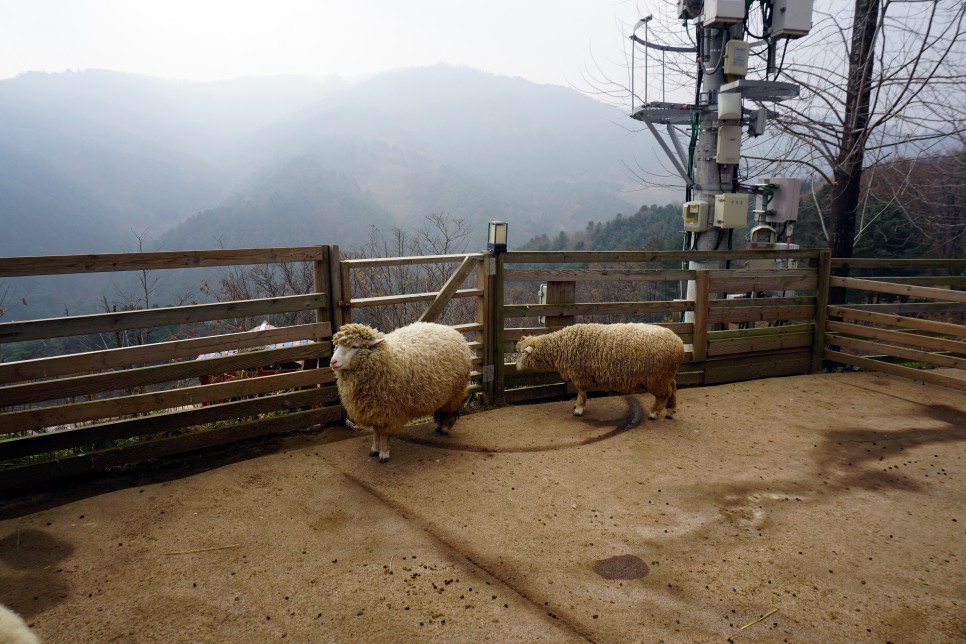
{"type": "Point", "coordinates": [717, 201]}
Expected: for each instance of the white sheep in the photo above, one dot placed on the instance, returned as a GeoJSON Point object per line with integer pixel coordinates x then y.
{"type": "Point", "coordinates": [385, 380]}
{"type": "Point", "coordinates": [13, 630]}
{"type": "Point", "coordinates": [625, 358]}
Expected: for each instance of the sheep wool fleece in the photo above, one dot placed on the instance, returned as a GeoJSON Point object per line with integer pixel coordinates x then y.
{"type": "Point", "coordinates": [415, 371]}
{"type": "Point", "coordinates": [624, 358]}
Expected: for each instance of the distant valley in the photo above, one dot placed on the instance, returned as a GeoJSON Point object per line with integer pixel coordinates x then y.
{"type": "Point", "coordinates": [91, 160]}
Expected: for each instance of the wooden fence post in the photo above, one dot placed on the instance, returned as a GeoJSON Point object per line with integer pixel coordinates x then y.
{"type": "Point", "coordinates": [824, 269]}
{"type": "Point", "coordinates": [335, 287]}
{"type": "Point", "coordinates": [496, 322]}
{"type": "Point", "coordinates": [485, 271]}
{"type": "Point", "coordinates": [560, 293]}
{"type": "Point", "coordinates": [702, 296]}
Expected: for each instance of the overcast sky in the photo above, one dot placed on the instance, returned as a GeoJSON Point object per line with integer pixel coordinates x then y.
{"type": "Point", "coordinates": [546, 41]}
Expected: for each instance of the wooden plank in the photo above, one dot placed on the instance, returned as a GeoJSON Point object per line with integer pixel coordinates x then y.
{"type": "Point", "coordinates": [174, 315]}
{"type": "Point", "coordinates": [760, 313]}
{"type": "Point", "coordinates": [449, 289]}
{"type": "Point", "coordinates": [795, 362]}
{"type": "Point", "coordinates": [866, 262]}
{"type": "Point", "coordinates": [635, 256]}
{"type": "Point", "coordinates": [919, 375]}
{"type": "Point", "coordinates": [742, 280]}
{"type": "Point", "coordinates": [409, 261]}
{"type": "Point", "coordinates": [902, 337]}
{"type": "Point", "coordinates": [157, 352]}
{"type": "Point", "coordinates": [824, 270]}
{"type": "Point", "coordinates": [129, 378]}
{"type": "Point", "coordinates": [560, 293]}
{"type": "Point", "coordinates": [498, 322]}
{"type": "Point", "coordinates": [930, 326]}
{"type": "Point", "coordinates": [912, 307]}
{"type": "Point", "coordinates": [65, 264]}
{"type": "Point", "coordinates": [946, 295]}
{"type": "Point", "coordinates": [930, 280]}
{"type": "Point", "coordinates": [335, 287]}
{"type": "Point", "coordinates": [364, 302]}
{"type": "Point", "coordinates": [598, 308]}
{"type": "Point", "coordinates": [878, 348]}
{"type": "Point", "coordinates": [170, 421]}
{"type": "Point", "coordinates": [599, 275]}
{"type": "Point", "coordinates": [27, 476]}
{"type": "Point", "coordinates": [759, 343]}
{"type": "Point", "coordinates": [33, 419]}
{"type": "Point", "coordinates": [702, 293]}
{"type": "Point", "coordinates": [730, 334]}
{"type": "Point", "coordinates": [737, 303]}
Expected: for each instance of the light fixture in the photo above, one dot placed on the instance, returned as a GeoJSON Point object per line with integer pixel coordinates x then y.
{"type": "Point", "coordinates": [496, 237]}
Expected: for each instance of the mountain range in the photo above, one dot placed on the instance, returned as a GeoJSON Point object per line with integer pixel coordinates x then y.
{"type": "Point", "coordinates": [87, 157]}
{"type": "Point", "coordinates": [93, 161]}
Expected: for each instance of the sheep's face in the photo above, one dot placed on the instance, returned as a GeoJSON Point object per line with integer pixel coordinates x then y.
{"type": "Point", "coordinates": [525, 349]}
{"type": "Point", "coordinates": [345, 351]}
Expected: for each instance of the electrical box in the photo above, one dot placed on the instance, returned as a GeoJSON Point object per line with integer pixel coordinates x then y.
{"type": "Point", "coordinates": [729, 106]}
{"type": "Point", "coordinates": [784, 203]}
{"type": "Point", "coordinates": [757, 122]}
{"type": "Point", "coordinates": [791, 18]}
{"type": "Point", "coordinates": [695, 214]}
{"type": "Point", "coordinates": [729, 144]}
{"type": "Point", "coordinates": [731, 210]}
{"type": "Point", "coordinates": [723, 12]}
{"type": "Point", "coordinates": [736, 58]}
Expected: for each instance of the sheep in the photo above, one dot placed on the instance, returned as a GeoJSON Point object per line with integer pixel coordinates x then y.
{"type": "Point", "coordinates": [13, 630]}
{"type": "Point", "coordinates": [626, 358]}
{"type": "Point", "coordinates": [385, 380]}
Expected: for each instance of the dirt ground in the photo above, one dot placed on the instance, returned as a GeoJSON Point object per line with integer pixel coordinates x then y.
{"type": "Point", "coordinates": [834, 504]}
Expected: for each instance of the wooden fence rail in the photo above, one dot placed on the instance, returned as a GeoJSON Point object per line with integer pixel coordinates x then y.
{"type": "Point", "coordinates": [882, 336]}
{"type": "Point", "coordinates": [753, 314]}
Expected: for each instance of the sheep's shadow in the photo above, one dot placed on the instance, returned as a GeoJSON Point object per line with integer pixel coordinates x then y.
{"type": "Point", "coordinates": [33, 584]}
{"type": "Point", "coordinates": [630, 420]}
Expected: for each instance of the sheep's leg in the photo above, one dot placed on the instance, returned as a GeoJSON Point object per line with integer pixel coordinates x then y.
{"type": "Point", "coordinates": [374, 451]}
{"type": "Point", "coordinates": [658, 406]}
{"type": "Point", "coordinates": [664, 402]}
{"type": "Point", "coordinates": [445, 420]}
{"type": "Point", "coordinates": [672, 401]}
{"type": "Point", "coordinates": [384, 446]}
{"type": "Point", "coordinates": [581, 398]}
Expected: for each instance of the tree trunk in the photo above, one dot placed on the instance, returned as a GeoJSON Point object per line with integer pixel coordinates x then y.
{"type": "Point", "coordinates": [847, 172]}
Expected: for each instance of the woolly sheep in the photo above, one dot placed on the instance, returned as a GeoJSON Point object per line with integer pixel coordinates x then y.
{"type": "Point", "coordinates": [626, 358]}
{"type": "Point", "coordinates": [13, 630]}
{"type": "Point", "coordinates": [385, 380]}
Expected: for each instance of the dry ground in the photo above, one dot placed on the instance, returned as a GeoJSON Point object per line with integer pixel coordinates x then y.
{"type": "Point", "coordinates": [834, 503]}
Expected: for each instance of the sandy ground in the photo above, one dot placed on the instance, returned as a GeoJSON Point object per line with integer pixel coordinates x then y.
{"type": "Point", "coordinates": [834, 503]}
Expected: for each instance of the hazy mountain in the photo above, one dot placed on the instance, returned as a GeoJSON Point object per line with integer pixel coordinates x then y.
{"type": "Point", "coordinates": [88, 157]}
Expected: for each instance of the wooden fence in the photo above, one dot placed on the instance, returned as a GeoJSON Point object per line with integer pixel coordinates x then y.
{"type": "Point", "coordinates": [749, 318]}
{"type": "Point", "coordinates": [747, 314]}
{"type": "Point", "coordinates": [88, 411]}
{"type": "Point", "coordinates": [914, 319]}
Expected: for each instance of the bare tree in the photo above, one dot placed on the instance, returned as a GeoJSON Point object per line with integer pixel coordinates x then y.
{"type": "Point", "coordinates": [881, 86]}
{"type": "Point", "coordinates": [895, 98]}
{"type": "Point", "coordinates": [442, 235]}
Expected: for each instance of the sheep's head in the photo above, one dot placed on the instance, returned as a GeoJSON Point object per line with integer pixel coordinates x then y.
{"type": "Point", "coordinates": [525, 349]}
{"type": "Point", "coordinates": [349, 340]}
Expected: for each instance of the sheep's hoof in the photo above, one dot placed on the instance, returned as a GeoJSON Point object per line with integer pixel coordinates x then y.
{"type": "Point", "coordinates": [383, 460]}
{"type": "Point", "coordinates": [374, 453]}
{"type": "Point", "coordinates": [669, 415]}
{"type": "Point", "coordinates": [578, 411]}
{"type": "Point", "coordinates": [652, 416]}
{"type": "Point", "coordinates": [440, 430]}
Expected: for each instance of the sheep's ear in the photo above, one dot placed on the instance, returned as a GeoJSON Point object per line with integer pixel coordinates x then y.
{"type": "Point", "coordinates": [373, 343]}
{"type": "Point", "coordinates": [528, 349]}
